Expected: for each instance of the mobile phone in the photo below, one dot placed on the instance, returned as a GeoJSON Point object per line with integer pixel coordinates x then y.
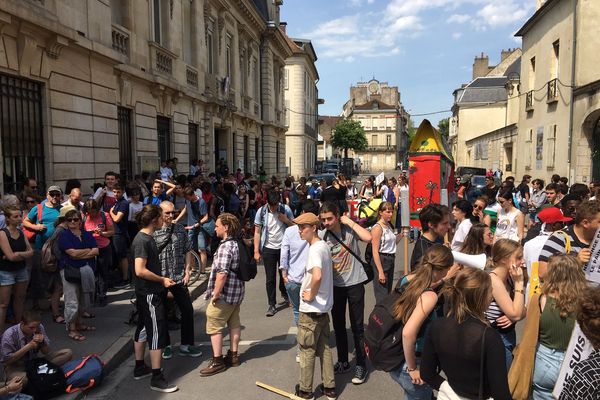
{"type": "Point", "coordinates": [101, 227]}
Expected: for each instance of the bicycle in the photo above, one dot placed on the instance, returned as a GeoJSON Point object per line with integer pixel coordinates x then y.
{"type": "Point", "coordinates": [196, 265]}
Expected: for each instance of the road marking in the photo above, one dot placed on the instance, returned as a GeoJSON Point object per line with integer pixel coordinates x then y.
{"type": "Point", "coordinates": [290, 338]}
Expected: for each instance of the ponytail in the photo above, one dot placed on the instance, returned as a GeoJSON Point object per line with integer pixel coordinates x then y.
{"type": "Point", "coordinates": [468, 295]}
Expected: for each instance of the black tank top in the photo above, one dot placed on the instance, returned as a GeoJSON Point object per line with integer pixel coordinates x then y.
{"type": "Point", "coordinates": [16, 245]}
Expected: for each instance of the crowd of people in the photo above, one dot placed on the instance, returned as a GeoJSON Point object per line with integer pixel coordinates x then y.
{"type": "Point", "coordinates": [146, 233]}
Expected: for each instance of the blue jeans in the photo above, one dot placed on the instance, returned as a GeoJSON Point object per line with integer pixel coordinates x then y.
{"type": "Point", "coordinates": [293, 291]}
{"type": "Point", "coordinates": [545, 373]}
{"type": "Point", "coordinates": [413, 392]}
{"type": "Point", "coordinates": [510, 341]}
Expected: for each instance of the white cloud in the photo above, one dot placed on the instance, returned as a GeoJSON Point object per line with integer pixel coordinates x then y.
{"type": "Point", "coordinates": [380, 33]}
{"type": "Point", "coordinates": [459, 18]}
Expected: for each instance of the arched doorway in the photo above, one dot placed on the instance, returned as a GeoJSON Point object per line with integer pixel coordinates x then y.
{"type": "Point", "coordinates": [595, 144]}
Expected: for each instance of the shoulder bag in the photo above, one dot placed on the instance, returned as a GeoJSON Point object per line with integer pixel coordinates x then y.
{"type": "Point", "coordinates": [520, 376]}
{"type": "Point", "coordinates": [366, 266]}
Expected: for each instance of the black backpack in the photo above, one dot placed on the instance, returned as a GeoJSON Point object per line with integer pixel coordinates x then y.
{"type": "Point", "coordinates": [383, 335]}
{"type": "Point", "coordinates": [45, 380]}
{"type": "Point", "coordinates": [247, 268]}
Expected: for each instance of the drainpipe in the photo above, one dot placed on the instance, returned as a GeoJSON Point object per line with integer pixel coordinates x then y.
{"type": "Point", "coordinates": [572, 105]}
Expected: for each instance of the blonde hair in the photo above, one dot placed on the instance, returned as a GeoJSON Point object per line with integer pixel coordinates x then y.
{"type": "Point", "coordinates": [501, 250]}
{"type": "Point", "coordinates": [232, 223]}
{"type": "Point", "coordinates": [565, 281]}
{"type": "Point", "coordinates": [469, 294]}
{"type": "Point", "coordinates": [438, 258]}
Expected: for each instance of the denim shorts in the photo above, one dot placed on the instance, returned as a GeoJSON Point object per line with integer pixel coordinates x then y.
{"type": "Point", "coordinates": [412, 391]}
{"type": "Point", "coordinates": [8, 278]}
{"type": "Point", "coordinates": [198, 239]}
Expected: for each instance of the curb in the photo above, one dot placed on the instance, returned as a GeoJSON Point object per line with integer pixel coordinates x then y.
{"type": "Point", "coordinates": [122, 348]}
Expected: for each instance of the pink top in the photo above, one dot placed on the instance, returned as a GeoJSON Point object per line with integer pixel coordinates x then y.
{"type": "Point", "coordinates": [91, 224]}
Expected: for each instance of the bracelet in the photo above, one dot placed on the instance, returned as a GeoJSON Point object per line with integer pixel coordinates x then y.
{"type": "Point", "coordinates": [519, 291]}
{"type": "Point", "coordinates": [411, 369]}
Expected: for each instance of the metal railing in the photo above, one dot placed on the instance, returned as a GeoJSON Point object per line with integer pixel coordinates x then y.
{"type": "Point", "coordinates": [529, 101]}
{"type": "Point", "coordinates": [552, 94]}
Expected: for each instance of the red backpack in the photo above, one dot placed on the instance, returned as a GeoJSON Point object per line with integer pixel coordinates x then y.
{"type": "Point", "coordinates": [30, 234]}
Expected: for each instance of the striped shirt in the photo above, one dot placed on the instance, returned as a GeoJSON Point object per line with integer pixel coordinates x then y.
{"type": "Point", "coordinates": [556, 244]}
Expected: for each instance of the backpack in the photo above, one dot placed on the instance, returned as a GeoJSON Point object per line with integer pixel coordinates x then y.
{"type": "Point", "coordinates": [84, 373]}
{"type": "Point", "coordinates": [29, 234]}
{"type": "Point", "coordinates": [49, 259]}
{"type": "Point", "coordinates": [247, 268]}
{"type": "Point", "coordinates": [45, 380]}
{"type": "Point", "coordinates": [294, 201]}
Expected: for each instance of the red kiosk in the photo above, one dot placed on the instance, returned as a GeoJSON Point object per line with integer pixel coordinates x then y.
{"type": "Point", "coordinates": [430, 168]}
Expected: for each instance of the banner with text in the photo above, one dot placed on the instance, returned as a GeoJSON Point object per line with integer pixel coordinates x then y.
{"type": "Point", "coordinates": [592, 269]}
{"type": "Point", "coordinates": [579, 349]}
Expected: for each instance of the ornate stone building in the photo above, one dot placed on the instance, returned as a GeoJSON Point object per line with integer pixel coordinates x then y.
{"type": "Point", "coordinates": [98, 85]}
{"type": "Point", "coordinates": [301, 102]}
{"type": "Point", "coordinates": [377, 106]}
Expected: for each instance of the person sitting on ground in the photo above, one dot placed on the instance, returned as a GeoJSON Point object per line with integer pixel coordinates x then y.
{"type": "Point", "coordinates": [23, 342]}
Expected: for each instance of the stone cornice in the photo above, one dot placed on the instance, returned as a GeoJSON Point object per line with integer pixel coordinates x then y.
{"type": "Point", "coordinates": [251, 14]}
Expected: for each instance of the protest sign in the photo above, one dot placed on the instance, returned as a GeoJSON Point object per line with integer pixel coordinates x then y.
{"type": "Point", "coordinates": [379, 178]}
{"type": "Point", "coordinates": [579, 349]}
{"type": "Point", "coordinates": [592, 269]}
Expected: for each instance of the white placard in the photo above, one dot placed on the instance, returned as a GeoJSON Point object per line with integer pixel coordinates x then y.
{"type": "Point", "coordinates": [379, 178]}
{"type": "Point", "coordinates": [444, 197]}
{"type": "Point", "coordinates": [592, 269]}
{"type": "Point", "coordinates": [579, 349]}
{"type": "Point", "coordinates": [404, 208]}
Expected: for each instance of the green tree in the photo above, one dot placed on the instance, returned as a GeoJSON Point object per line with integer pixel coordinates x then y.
{"type": "Point", "coordinates": [444, 127]}
{"type": "Point", "coordinates": [349, 134]}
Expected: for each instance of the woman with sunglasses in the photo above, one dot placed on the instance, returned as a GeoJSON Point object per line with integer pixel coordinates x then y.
{"type": "Point", "coordinates": [511, 221]}
{"type": "Point", "coordinates": [14, 251]}
{"type": "Point", "coordinates": [479, 206]}
{"type": "Point", "coordinates": [479, 240]}
{"type": "Point", "coordinates": [78, 255]}
{"type": "Point", "coordinates": [100, 224]}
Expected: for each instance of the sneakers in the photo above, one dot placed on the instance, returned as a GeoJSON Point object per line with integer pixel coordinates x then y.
{"type": "Point", "coordinates": [271, 311]}
{"type": "Point", "coordinates": [167, 353]}
{"type": "Point", "coordinates": [141, 372]}
{"type": "Point", "coordinates": [302, 394]}
{"type": "Point", "coordinates": [160, 384]}
{"type": "Point", "coordinates": [284, 303]}
{"type": "Point", "coordinates": [360, 374]}
{"type": "Point", "coordinates": [330, 393]}
{"type": "Point", "coordinates": [232, 359]}
{"type": "Point", "coordinates": [123, 284]}
{"type": "Point", "coordinates": [341, 367]}
{"type": "Point", "coordinates": [191, 351]}
{"type": "Point", "coordinates": [215, 366]}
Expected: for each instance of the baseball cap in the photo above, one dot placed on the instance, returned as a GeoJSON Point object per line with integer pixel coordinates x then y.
{"type": "Point", "coordinates": [307, 219]}
{"type": "Point", "coordinates": [54, 188]}
{"type": "Point", "coordinates": [552, 214]}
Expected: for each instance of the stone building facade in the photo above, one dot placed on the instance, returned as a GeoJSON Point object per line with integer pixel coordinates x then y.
{"type": "Point", "coordinates": [559, 117]}
{"type": "Point", "coordinates": [301, 103]}
{"type": "Point", "coordinates": [378, 108]}
{"type": "Point", "coordinates": [98, 85]}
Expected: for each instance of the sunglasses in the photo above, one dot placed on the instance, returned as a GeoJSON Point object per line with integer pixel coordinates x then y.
{"type": "Point", "coordinates": [30, 202]}
{"type": "Point", "coordinates": [73, 219]}
{"type": "Point", "coordinates": [33, 187]}
{"type": "Point", "coordinates": [477, 207]}
{"type": "Point", "coordinates": [55, 194]}
{"type": "Point", "coordinates": [169, 212]}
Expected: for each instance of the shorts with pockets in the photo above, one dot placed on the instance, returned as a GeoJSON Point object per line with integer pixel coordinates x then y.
{"type": "Point", "coordinates": [152, 321]}
{"type": "Point", "coordinates": [8, 278]}
{"type": "Point", "coordinates": [221, 315]}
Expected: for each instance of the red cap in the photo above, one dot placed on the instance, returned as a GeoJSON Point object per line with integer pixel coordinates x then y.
{"type": "Point", "coordinates": [552, 214]}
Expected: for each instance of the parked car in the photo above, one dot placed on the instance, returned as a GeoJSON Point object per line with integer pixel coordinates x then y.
{"type": "Point", "coordinates": [462, 171]}
{"type": "Point", "coordinates": [318, 177]}
{"type": "Point", "coordinates": [478, 181]}
{"type": "Point", "coordinates": [331, 168]}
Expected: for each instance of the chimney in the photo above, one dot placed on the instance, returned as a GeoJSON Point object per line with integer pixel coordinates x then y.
{"type": "Point", "coordinates": [481, 66]}
{"type": "Point", "coordinates": [505, 53]}
{"type": "Point", "coordinates": [283, 26]}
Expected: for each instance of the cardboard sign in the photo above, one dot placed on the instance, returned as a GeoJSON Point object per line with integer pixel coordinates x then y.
{"type": "Point", "coordinates": [379, 178]}
{"type": "Point", "coordinates": [579, 349]}
{"type": "Point", "coordinates": [404, 209]}
{"type": "Point", "coordinates": [592, 269]}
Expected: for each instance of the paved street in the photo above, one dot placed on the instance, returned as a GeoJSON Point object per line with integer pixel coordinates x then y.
{"type": "Point", "coordinates": [267, 352]}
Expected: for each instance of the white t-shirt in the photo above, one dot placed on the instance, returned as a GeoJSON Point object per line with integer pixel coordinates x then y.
{"type": "Point", "coordinates": [165, 173]}
{"type": "Point", "coordinates": [507, 225]}
{"type": "Point", "coordinates": [461, 234]}
{"type": "Point", "coordinates": [318, 257]}
{"type": "Point", "coordinates": [531, 255]}
{"type": "Point", "coordinates": [134, 208]}
{"type": "Point", "coordinates": [275, 230]}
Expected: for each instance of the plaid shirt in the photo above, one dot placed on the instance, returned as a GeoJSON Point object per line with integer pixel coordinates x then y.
{"type": "Point", "coordinates": [14, 340]}
{"type": "Point", "coordinates": [226, 261]}
{"type": "Point", "coordinates": [172, 258]}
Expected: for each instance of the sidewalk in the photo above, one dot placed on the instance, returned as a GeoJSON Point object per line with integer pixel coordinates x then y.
{"type": "Point", "coordinates": [112, 340]}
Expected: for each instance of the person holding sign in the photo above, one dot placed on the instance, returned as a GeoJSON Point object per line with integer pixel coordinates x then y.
{"type": "Point", "coordinates": [564, 280]}
{"type": "Point", "coordinates": [577, 238]}
{"type": "Point", "coordinates": [584, 382]}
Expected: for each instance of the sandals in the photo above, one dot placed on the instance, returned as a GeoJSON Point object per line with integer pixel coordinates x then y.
{"type": "Point", "coordinates": [59, 319]}
{"type": "Point", "coordinates": [76, 336]}
{"type": "Point", "coordinates": [86, 328]}
{"type": "Point", "coordinates": [88, 315]}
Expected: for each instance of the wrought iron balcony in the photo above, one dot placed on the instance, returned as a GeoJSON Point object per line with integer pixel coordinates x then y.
{"type": "Point", "coordinates": [380, 148]}
{"type": "Point", "coordinates": [552, 94]}
{"type": "Point", "coordinates": [529, 101]}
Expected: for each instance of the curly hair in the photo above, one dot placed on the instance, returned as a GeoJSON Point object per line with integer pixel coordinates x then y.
{"type": "Point", "coordinates": [564, 280]}
{"type": "Point", "coordinates": [588, 314]}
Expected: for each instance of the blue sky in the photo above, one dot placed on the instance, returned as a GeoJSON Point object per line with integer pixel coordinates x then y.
{"type": "Point", "coordinates": [425, 47]}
